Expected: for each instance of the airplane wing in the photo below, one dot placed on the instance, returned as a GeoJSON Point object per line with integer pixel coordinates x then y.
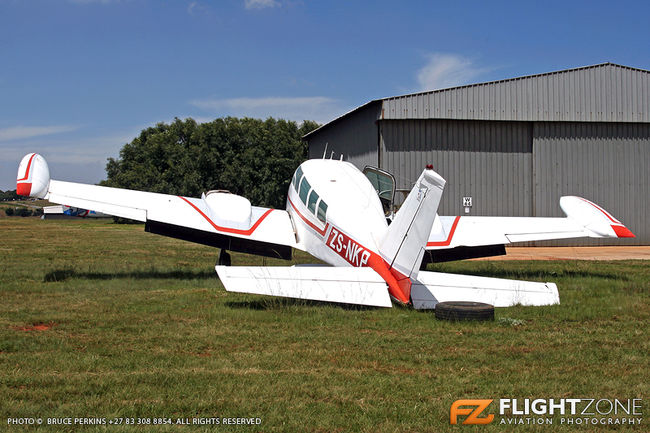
{"type": "Point", "coordinates": [361, 286]}
{"type": "Point", "coordinates": [584, 219]}
{"type": "Point", "coordinates": [218, 219]}
{"type": "Point", "coordinates": [433, 287]}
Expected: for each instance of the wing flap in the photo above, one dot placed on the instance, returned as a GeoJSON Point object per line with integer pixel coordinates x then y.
{"type": "Point", "coordinates": [434, 287]}
{"type": "Point", "coordinates": [360, 286]}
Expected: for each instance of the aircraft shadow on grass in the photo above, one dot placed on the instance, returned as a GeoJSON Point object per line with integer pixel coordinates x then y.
{"type": "Point", "coordinates": [269, 304]}
{"type": "Point", "coordinates": [58, 275]}
{"type": "Point", "coordinates": [67, 273]}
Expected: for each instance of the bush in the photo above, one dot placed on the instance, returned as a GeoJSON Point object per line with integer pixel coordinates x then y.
{"type": "Point", "coordinates": [9, 211]}
{"type": "Point", "coordinates": [24, 212]}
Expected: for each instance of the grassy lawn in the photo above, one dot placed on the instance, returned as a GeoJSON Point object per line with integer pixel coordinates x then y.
{"type": "Point", "coordinates": [104, 320]}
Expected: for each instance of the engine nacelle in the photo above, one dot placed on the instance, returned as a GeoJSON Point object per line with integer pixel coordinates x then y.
{"type": "Point", "coordinates": [231, 209]}
{"type": "Point", "coordinates": [33, 178]}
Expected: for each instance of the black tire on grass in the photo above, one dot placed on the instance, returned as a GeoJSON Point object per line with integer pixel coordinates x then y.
{"type": "Point", "coordinates": [462, 310]}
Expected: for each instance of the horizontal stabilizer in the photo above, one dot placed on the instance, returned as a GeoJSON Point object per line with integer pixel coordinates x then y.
{"type": "Point", "coordinates": [361, 286]}
{"type": "Point", "coordinates": [434, 287]}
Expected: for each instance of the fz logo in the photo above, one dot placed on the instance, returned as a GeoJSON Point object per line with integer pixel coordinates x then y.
{"type": "Point", "coordinates": [472, 414]}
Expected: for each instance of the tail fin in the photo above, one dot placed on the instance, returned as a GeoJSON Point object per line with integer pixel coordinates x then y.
{"type": "Point", "coordinates": [405, 241]}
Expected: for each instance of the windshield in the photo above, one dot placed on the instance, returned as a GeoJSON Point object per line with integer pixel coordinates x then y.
{"type": "Point", "coordinates": [384, 183]}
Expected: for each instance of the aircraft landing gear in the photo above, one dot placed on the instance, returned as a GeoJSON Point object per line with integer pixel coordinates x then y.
{"type": "Point", "coordinates": [224, 258]}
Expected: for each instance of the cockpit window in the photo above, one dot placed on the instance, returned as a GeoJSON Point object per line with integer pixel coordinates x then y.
{"type": "Point", "coordinates": [311, 203]}
{"type": "Point", "coordinates": [322, 211]}
{"type": "Point", "coordinates": [308, 196]}
{"type": "Point", "coordinates": [384, 183]}
{"type": "Point", "coordinates": [304, 189]}
{"type": "Point", "coordinates": [296, 178]}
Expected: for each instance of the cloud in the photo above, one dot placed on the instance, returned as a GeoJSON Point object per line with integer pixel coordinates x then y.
{"type": "Point", "coordinates": [260, 4]}
{"type": "Point", "coordinates": [196, 8]}
{"type": "Point", "coordinates": [318, 108]}
{"type": "Point", "coordinates": [15, 133]}
{"type": "Point", "coordinates": [447, 70]}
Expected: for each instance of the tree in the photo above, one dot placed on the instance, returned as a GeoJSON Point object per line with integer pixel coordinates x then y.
{"type": "Point", "coordinates": [8, 195]}
{"type": "Point", "coordinates": [251, 157]}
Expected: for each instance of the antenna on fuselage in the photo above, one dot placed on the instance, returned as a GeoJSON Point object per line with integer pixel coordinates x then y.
{"type": "Point", "coordinates": [332, 155]}
{"type": "Point", "coordinates": [341, 157]}
{"type": "Point", "coordinates": [325, 151]}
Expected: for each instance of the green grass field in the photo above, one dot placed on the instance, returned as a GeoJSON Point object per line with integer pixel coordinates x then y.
{"type": "Point", "coordinates": [136, 325]}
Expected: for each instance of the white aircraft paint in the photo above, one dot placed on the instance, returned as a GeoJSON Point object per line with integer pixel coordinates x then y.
{"type": "Point", "coordinates": [334, 213]}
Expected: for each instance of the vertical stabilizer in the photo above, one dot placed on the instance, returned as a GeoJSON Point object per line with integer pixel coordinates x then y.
{"type": "Point", "coordinates": [404, 244]}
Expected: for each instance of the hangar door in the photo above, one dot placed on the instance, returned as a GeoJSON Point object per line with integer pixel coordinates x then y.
{"type": "Point", "coordinates": [488, 161]}
{"type": "Point", "coordinates": [606, 163]}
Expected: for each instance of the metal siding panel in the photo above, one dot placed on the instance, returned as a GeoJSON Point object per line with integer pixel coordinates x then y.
{"type": "Point", "coordinates": [605, 163]}
{"type": "Point", "coordinates": [601, 93]}
{"type": "Point", "coordinates": [354, 136]}
{"type": "Point", "coordinates": [491, 161]}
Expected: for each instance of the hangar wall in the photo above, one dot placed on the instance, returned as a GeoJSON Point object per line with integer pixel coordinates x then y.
{"type": "Point", "coordinates": [516, 145]}
{"type": "Point", "coordinates": [607, 163]}
{"type": "Point", "coordinates": [598, 93]}
{"type": "Point", "coordinates": [488, 161]}
{"type": "Point", "coordinates": [355, 137]}
{"type": "Point", "coordinates": [523, 168]}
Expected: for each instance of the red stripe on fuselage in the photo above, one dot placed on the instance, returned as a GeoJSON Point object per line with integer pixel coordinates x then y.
{"type": "Point", "coordinates": [247, 232]}
{"type": "Point", "coordinates": [446, 242]}
{"type": "Point", "coordinates": [309, 223]}
{"type": "Point", "coordinates": [399, 286]}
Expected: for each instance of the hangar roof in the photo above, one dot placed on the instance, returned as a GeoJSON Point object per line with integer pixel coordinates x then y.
{"type": "Point", "coordinates": [606, 92]}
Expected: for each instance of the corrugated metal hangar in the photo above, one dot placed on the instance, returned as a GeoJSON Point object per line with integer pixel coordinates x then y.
{"type": "Point", "coordinates": [515, 146]}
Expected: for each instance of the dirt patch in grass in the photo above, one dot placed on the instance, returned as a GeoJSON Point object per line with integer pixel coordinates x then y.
{"type": "Point", "coordinates": [40, 326]}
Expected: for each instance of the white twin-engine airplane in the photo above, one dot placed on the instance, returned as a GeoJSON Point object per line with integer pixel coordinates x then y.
{"type": "Point", "coordinates": [338, 214]}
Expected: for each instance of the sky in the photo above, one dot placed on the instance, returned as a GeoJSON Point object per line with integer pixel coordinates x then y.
{"type": "Point", "coordinates": [80, 78]}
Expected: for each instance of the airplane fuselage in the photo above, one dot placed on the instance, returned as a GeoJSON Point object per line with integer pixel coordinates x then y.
{"type": "Point", "coordinates": [329, 200]}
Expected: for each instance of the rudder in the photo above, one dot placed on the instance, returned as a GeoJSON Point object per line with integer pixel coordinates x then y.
{"type": "Point", "coordinates": [404, 244]}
